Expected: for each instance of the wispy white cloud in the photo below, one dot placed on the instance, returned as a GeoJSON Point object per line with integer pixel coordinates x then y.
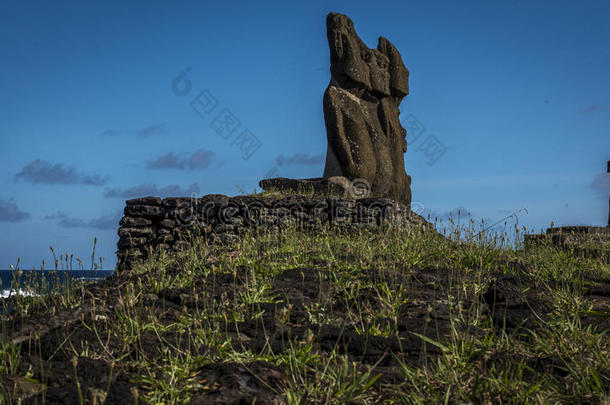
{"type": "Point", "coordinates": [200, 159]}
{"type": "Point", "coordinates": [43, 172]}
{"type": "Point", "coordinates": [113, 132]}
{"type": "Point", "coordinates": [10, 212]}
{"type": "Point", "coordinates": [595, 108]}
{"type": "Point", "coordinates": [601, 184]}
{"type": "Point", "coordinates": [104, 222]}
{"type": "Point", "coordinates": [152, 130]}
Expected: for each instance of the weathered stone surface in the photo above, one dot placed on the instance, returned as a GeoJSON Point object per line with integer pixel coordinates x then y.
{"type": "Point", "coordinates": [146, 211]}
{"type": "Point", "coordinates": [131, 222]}
{"type": "Point", "coordinates": [215, 198]}
{"type": "Point", "coordinates": [156, 201]}
{"type": "Point", "coordinates": [126, 242]}
{"type": "Point", "coordinates": [168, 224]}
{"type": "Point", "coordinates": [133, 232]}
{"type": "Point", "coordinates": [335, 186]}
{"type": "Point", "coordinates": [175, 201]}
{"type": "Point", "coordinates": [365, 138]}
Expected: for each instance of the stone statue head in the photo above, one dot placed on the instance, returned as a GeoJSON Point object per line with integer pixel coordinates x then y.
{"type": "Point", "coordinates": [346, 48]}
{"type": "Point", "coordinates": [379, 73]}
{"type": "Point", "coordinates": [399, 75]}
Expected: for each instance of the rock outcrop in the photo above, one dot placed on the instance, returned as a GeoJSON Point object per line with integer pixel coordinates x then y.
{"type": "Point", "coordinates": [365, 138]}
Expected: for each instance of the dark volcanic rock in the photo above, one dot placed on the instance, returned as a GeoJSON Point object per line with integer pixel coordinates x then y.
{"type": "Point", "coordinates": [365, 138]}
{"type": "Point", "coordinates": [515, 303]}
{"type": "Point", "coordinates": [311, 314]}
{"type": "Point", "coordinates": [336, 186]}
{"type": "Point", "coordinates": [147, 211]}
{"type": "Point", "coordinates": [239, 383]}
{"type": "Point", "coordinates": [131, 222]}
{"type": "Point", "coordinates": [156, 201]}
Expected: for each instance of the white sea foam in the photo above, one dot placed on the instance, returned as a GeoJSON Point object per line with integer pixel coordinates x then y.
{"type": "Point", "coordinates": [12, 292]}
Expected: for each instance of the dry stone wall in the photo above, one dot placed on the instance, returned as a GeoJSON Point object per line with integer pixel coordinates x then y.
{"type": "Point", "coordinates": [152, 222]}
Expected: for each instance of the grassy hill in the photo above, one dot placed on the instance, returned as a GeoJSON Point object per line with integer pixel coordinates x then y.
{"type": "Point", "coordinates": [393, 316]}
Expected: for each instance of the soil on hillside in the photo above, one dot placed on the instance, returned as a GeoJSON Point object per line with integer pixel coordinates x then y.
{"type": "Point", "coordinates": [301, 298]}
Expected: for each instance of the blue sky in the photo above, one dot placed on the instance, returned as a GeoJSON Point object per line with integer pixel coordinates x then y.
{"type": "Point", "coordinates": [516, 93]}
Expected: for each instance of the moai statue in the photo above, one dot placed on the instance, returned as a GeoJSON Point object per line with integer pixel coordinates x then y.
{"type": "Point", "coordinates": [365, 138]}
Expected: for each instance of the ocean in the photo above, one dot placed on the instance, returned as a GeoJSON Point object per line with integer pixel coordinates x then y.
{"type": "Point", "coordinates": [36, 282]}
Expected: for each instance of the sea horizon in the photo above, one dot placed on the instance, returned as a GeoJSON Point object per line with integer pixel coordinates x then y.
{"type": "Point", "coordinates": [56, 270]}
{"type": "Point", "coordinates": [39, 282]}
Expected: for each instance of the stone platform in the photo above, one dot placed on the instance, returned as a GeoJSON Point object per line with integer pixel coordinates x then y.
{"type": "Point", "coordinates": [583, 239]}
{"type": "Point", "coordinates": [564, 234]}
{"type": "Point", "coordinates": [152, 222]}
